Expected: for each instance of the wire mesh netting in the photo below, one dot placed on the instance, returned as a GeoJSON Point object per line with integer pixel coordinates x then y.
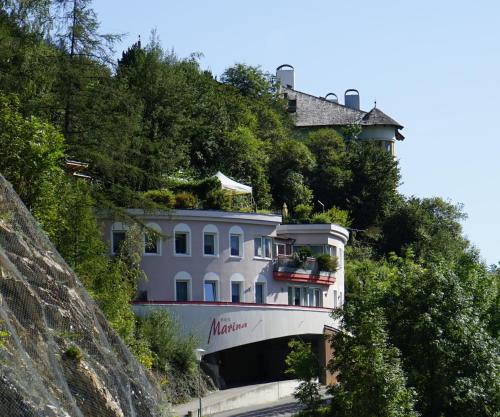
{"type": "Point", "coordinates": [58, 355]}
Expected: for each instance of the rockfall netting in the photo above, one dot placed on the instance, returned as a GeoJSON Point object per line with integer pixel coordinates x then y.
{"type": "Point", "coordinates": [58, 355]}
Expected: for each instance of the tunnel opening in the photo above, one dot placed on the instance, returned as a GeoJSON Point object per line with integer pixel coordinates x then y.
{"type": "Point", "coordinates": [256, 363]}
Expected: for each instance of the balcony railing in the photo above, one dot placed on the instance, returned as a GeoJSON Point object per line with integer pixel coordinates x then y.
{"type": "Point", "coordinates": [288, 268]}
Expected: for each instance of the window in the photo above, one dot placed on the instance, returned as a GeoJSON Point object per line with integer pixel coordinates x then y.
{"type": "Point", "coordinates": [118, 238]}
{"type": "Point", "coordinates": [263, 247]}
{"type": "Point", "coordinates": [237, 282]}
{"type": "Point", "coordinates": [152, 239]}
{"type": "Point", "coordinates": [259, 293]}
{"type": "Point", "coordinates": [209, 244]}
{"type": "Point", "coordinates": [314, 297]}
{"type": "Point", "coordinates": [210, 290]}
{"type": "Point", "coordinates": [211, 287]}
{"type": "Point", "coordinates": [236, 242]}
{"type": "Point", "coordinates": [182, 286]}
{"type": "Point", "coordinates": [210, 240]}
{"type": "Point", "coordinates": [235, 292]}
{"type": "Point", "coordinates": [118, 235]}
{"type": "Point", "coordinates": [182, 240]}
{"type": "Point", "coordinates": [182, 290]}
{"type": "Point", "coordinates": [305, 296]}
{"type": "Point", "coordinates": [235, 245]}
{"type": "Point", "coordinates": [181, 243]}
{"type": "Point", "coordinates": [292, 106]}
{"type": "Point", "coordinates": [315, 249]}
{"type": "Point", "coordinates": [283, 249]}
{"type": "Point", "coordinates": [335, 305]}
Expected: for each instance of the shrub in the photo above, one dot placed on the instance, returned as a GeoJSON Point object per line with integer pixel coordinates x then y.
{"type": "Point", "coordinates": [333, 215]}
{"type": "Point", "coordinates": [327, 262]}
{"type": "Point", "coordinates": [218, 200]}
{"type": "Point", "coordinates": [321, 218]}
{"type": "Point", "coordinates": [300, 257]}
{"type": "Point", "coordinates": [73, 353]}
{"type": "Point", "coordinates": [185, 200]}
{"type": "Point", "coordinates": [302, 212]}
{"type": "Point", "coordinates": [164, 197]}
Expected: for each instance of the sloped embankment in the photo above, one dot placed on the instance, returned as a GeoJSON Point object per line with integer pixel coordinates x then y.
{"type": "Point", "coordinates": [58, 355]}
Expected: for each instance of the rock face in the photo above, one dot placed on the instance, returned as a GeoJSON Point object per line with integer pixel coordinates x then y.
{"type": "Point", "coordinates": [58, 355]}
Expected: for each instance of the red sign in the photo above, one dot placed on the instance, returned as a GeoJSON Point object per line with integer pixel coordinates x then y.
{"type": "Point", "coordinates": [216, 329]}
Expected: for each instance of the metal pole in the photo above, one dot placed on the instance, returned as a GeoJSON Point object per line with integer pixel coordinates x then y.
{"type": "Point", "coordinates": [199, 387]}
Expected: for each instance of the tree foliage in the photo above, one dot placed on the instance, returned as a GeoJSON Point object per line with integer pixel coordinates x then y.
{"type": "Point", "coordinates": [304, 365]}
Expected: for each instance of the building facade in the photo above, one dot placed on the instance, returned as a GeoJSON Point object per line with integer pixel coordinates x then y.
{"type": "Point", "coordinates": [310, 112]}
{"type": "Point", "coordinates": [233, 281]}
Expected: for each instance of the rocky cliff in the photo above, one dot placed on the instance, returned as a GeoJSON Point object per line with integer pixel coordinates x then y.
{"type": "Point", "coordinates": [58, 355]}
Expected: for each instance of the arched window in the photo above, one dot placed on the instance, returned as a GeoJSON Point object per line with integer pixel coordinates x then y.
{"type": "Point", "coordinates": [211, 287]}
{"type": "Point", "coordinates": [260, 289]}
{"type": "Point", "coordinates": [182, 240]}
{"type": "Point", "coordinates": [210, 236]}
{"type": "Point", "coordinates": [236, 242]}
{"type": "Point", "coordinates": [118, 234]}
{"type": "Point", "coordinates": [237, 291]}
{"type": "Point", "coordinates": [183, 287]}
{"type": "Point", "coordinates": [152, 239]}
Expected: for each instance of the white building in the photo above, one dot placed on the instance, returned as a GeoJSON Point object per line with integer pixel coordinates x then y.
{"type": "Point", "coordinates": [309, 111]}
{"type": "Point", "coordinates": [232, 280]}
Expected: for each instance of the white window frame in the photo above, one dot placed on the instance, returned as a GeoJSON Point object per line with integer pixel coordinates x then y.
{"type": "Point", "coordinates": [212, 230]}
{"type": "Point", "coordinates": [184, 276]}
{"type": "Point", "coordinates": [182, 228]}
{"type": "Point", "coordinates": [157, 229]}
{"type": "Point", "coordinates": [263, 240]}
{"type": "Point", "coordinates": [212, 277]}
{"type": "Point", "coordinates": [237, 278]}
{"type": "Point", "coordinates": [237, 231]}
{"type": "Point", "coordinates": [305, 291]}
{"type": "Point", "coordinates": [261, 280]}
{"type": "Point", "coordinates": [117, 227]}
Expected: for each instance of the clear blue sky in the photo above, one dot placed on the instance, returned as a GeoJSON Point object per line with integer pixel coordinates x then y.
{"type": "Point", "coordinates": [434, 66]}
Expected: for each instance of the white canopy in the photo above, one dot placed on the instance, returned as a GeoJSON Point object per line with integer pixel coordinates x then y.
{"type": "Point", "coordinates": [231, 185]}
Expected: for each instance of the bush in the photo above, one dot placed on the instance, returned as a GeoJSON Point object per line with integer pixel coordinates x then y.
{"type": "Point", "coordinates": [217, 200]}
{"type": "Point", "coordinates": [185, 200]}
{"type": "Point", "coordinates": [321, 218]}
{"type": "Point", "coordinates": [333, 215]}
{"type": "Point", "coordinates": [74, 353]}
{"type": "Point", "coordinates": [164, 197]}
{"type": "Point", "coordinates": [327, 262]}
{"type": "Point", "coordinates": [302, 212]}
{"type": "Point", "coordinates": [301, 255]}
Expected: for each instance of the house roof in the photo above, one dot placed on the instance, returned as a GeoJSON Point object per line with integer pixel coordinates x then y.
{"type": "Point", "coordinates": [377, 117]}
{"type": "Point", "coordinates": [317, 111]}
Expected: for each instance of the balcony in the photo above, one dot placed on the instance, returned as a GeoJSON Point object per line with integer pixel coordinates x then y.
{"type": "Point", "coordinates": [287, 268]}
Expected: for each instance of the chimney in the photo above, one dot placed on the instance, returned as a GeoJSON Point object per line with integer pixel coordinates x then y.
{"type": "Point", "coordinates": [332, 97]}
{"type": "Point", "coordinates": [351, 98]}
{"type": "Point", "coordinates": [285, 74]}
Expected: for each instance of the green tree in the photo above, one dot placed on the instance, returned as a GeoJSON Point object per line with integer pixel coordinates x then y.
{"type": "Point", "coordinates": [250, 81]}
{"type": "Point", "coordinates": [304, 365]}
{"type": "Point", "coordinates": [290, 163]}
{"type": "Point", "coordinates": [438, 323]}
{"type": "Point", "coordinates": [331, 175]}
{"type": "Point", "coordinates": [31, 153]}
{"type": "Point", "coordinates": [371, 381]}
{"type": "Point", "coordinates": [429, 226]}
{"type": "Point", "coordinates": [372, 191]}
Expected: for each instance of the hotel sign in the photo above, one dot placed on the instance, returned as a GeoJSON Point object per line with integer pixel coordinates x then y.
{"type": "Point", "coordinates": [224, 326]}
